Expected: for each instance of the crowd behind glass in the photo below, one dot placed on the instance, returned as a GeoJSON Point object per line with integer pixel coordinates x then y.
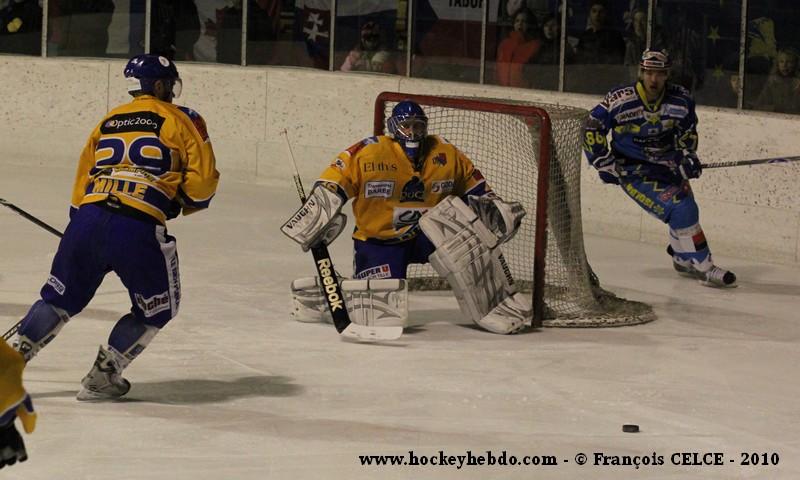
{"type": "Point", "coordinates": [518, 43]}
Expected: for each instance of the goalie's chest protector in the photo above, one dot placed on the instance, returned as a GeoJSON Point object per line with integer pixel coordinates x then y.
{"type": "Point", "coordinates": [389, 195]}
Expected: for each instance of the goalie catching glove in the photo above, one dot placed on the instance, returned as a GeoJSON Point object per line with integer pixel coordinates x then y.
{"type": "Point", "coordinates": [501, 217]}
{"type": "Point", "coordinates": [318, 221]}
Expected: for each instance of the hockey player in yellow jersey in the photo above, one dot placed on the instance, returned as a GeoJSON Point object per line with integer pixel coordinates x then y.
{"type": "Point", "coordinates": [144, 163]}
{"type": "Point", "coordinates": [395, 181]}
{"type": "Point", "coordinates": [14, 402]}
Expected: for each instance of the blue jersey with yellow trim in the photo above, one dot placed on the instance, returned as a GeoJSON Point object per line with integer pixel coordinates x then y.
{"type": "Point", "coordinates": [149, 154]}
{"type": "Point", "coordinates": [390, 194]}
{"type": "Point", "coordinates": [658, 133]}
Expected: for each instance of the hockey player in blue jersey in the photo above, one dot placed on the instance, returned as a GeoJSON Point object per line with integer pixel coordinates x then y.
{"type": "Point", "coordinates": [145, 162]}
{"type": "Point", "coordinates": [652, 156]}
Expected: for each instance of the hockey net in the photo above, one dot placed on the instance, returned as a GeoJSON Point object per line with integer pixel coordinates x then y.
{"type": "Point", "coordinates": [530, 153]}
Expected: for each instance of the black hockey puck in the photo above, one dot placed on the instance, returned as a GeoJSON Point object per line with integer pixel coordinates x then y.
{"type": "Point", "coordinates": [630, 428]}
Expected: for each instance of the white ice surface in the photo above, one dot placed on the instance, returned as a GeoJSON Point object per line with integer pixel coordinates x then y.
{"type": "Point", "coordinates": [233, 389]}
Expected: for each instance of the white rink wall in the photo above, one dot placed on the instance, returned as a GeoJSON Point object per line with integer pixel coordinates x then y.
{"type": "Point", "coordinates": [50, 105]}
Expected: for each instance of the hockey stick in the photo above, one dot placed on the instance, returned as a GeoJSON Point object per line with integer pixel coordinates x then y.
{"type": "Point", "coordinates": [334, 296]}
{"type": "Point", "coordinates": [10, 333]}
{"type": "Point", "coordinates": [30, 217]}
{"type": "Point", "coordinates": [759, 161]}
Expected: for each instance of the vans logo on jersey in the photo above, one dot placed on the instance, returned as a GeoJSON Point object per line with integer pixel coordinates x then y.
{"type": "Point", "coordinates": [440, 159]}
{"type": "Point", "coordinates": [413, 190]}
{"type": "Point", "coordinates": [133, 122]}
{"type": "Point", "coordinates": [442, 186]}
{"type": "Point", "coordinates": [152, 305]}
{"type": "Point", "coordinates": [56, 284]}
{"type": "Point", "coordinates": [379, 189]}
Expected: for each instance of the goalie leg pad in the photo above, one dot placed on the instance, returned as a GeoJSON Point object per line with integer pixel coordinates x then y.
{"type": "Point", "coordinates": [377, 302]}
{"type": "Point", "coordinates": [308, 301]}
{"type": "Point", "coordinates": [467, 255]}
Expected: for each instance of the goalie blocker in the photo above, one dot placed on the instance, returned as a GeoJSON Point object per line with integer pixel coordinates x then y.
{"type": "Point", "coordinates": [468, 255]}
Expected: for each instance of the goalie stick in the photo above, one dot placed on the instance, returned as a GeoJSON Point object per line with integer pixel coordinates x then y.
{"type": "Point", "coordinates": [759, 161]}
{"type": "Point", "coordinates": [11, 331]}
{"type": "Point", "coordinates": [334, 296]}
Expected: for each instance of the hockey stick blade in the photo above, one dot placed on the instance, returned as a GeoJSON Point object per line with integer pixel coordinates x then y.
{"type": "Point", "coordinates": [371, 334]}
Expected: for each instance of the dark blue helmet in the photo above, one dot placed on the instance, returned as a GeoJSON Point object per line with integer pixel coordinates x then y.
{"type": "Point", "coordinates": [408, 125]}
{"type": "Point", "coordinates": [142, 71]}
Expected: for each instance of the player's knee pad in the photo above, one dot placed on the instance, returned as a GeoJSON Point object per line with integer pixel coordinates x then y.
{"type": "Point", "coordinates": [308, 301]}
{"type": "Point", "coordinates": [377, 302]}
{"type": "Point", "coordinates": [129, 337]}
{"type": "Point", "coordinates": [684, 215]}
{"type": "Point", "coordinates": [39, 327]}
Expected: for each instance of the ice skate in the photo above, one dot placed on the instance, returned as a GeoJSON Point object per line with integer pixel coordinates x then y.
{"type": "Point", "coordinates": [104, 381]}
{"type": "Point", "coordinates": [713, 277]}
{"type": "Point", "coordinates": [683, 267]}
{"type": "Point", "coordinates": [717, 277]}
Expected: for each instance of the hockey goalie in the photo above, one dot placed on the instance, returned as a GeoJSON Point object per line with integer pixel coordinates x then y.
{"type": "Point", "coordinates": [416, 199]}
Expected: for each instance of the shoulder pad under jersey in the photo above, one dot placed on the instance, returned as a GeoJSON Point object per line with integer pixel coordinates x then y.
{"type": "Point", "coordinates": [353, 149]}
{"type": "Point", "coordinates": [197, 120]}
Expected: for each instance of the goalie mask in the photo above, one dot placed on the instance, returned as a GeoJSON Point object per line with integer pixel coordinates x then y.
{"type": "Point", "coordinates": [143, 71]}
{"type": "Point", "coordinates": [408, 126]}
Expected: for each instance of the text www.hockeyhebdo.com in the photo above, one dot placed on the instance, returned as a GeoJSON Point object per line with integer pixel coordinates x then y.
{"type": "Point", "coordinates": [487, 458]}
{"type": "Point", "coordinates": [602, 459]}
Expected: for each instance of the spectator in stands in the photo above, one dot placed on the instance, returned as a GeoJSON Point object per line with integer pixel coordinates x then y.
{"type": "Point", "coordinates": [79, 27]}
{"type": "Point", "coordinates": [550, 49]}
{"type": "Point", "coordinates": [20, 27]}
{"type": "Point", "coordinates": [518, 49]}
{"type": "Point", "coordinates": [636, 41]}
{"type": "Point", "coordinates": [369, 55]}
{"type": "Point", "coordinates": [229, 33]}
{"type": "Point", "coordinates": [175, 29]}
{"type": "Point", "coordinates": [600, 44]}
{"type": "Point", "coordinates": [782, 91]}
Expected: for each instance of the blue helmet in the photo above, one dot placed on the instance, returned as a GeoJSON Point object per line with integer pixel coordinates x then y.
{"type": "Point", "coordinates": [408, 125]}
{"type": "Point", "coordinates": [142, 71]}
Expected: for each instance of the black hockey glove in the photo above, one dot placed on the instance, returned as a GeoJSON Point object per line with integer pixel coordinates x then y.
{"type": "Point", "coordinates": [690, 166]}
{"type": "Point", "coordinates": [12, 447]}
{"type": "Point", "coordinates": [607, 169]}
{"type": "Point", "coordinates": [173, 210]}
